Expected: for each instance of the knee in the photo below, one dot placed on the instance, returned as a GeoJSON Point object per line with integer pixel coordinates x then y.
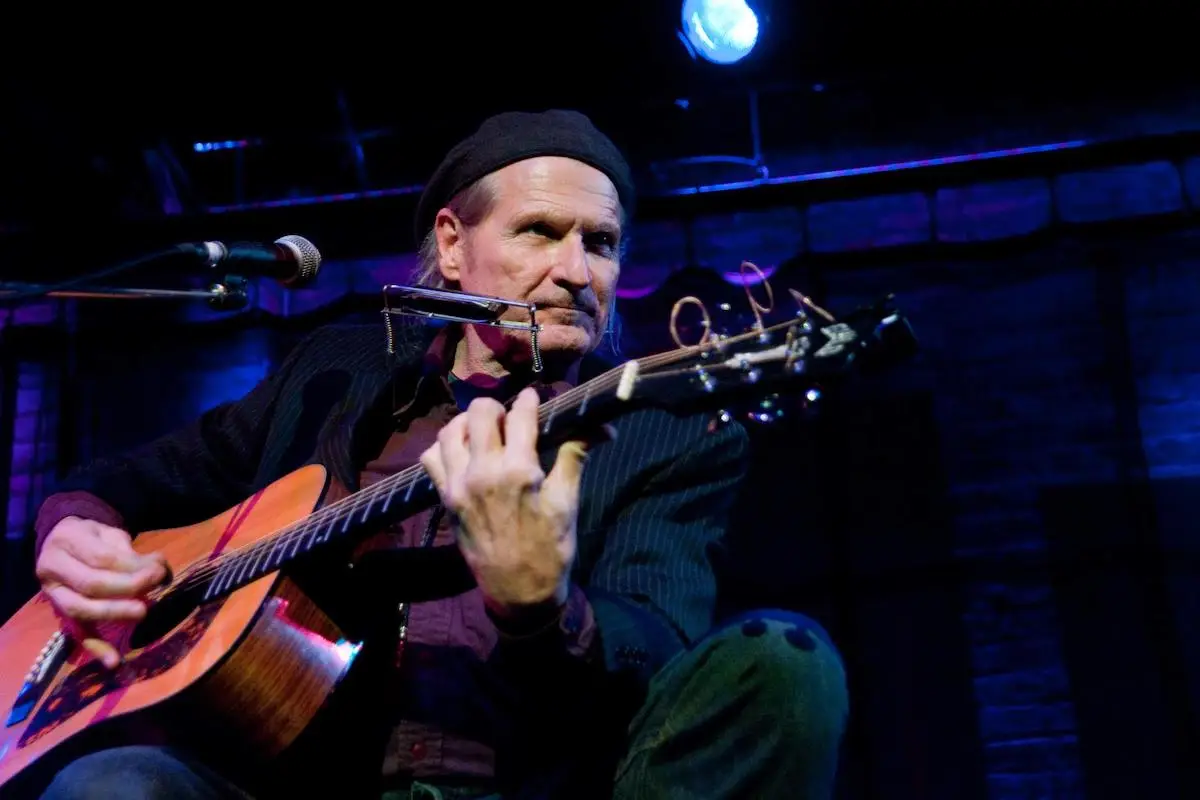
{"type": "Point", "coordinates": [134, 771]}
{"type": "Point", "coordinates": [786, 664]}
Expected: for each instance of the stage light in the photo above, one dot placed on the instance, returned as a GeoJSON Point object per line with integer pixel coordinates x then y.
{"type": "Point", "coordinates": [720, 31]}
{"type": "Point", "coordinates": [231, 144]}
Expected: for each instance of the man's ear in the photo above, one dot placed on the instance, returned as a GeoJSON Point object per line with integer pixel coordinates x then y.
{"type": "Point", "coordinates": [449, 232]}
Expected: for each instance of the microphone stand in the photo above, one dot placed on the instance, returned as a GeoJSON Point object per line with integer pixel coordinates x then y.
{"type": "Point", "coordinates": [229, 295]}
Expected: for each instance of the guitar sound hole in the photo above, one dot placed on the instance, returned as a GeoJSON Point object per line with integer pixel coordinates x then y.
{"type": "Point", "coordinates": [161, 618]}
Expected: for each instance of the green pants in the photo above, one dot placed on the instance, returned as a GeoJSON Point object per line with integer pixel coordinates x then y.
{"type": "Point", "coordinates": [756, 709]}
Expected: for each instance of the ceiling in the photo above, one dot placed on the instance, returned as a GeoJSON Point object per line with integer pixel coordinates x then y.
{"type": "Point", "coordinates": [88, 125]}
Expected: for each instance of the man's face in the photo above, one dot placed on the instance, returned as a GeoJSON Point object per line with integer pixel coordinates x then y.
{"type": "Point", "coordinates": [551, 238]}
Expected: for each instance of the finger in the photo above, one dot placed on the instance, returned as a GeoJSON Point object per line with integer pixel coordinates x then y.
{"type": "Point", "coordinates": [564, 478]}
{"type": "Point", "coordinates": [104, 551]}
{"type": "Point", "coordinates": [59, 566]}
{"type": "Point", "coordinates": [431, 460]}
{"type": "Point", "coordinates": [74, 605]}
{"type": "Point", "coordinates": [462, 536]}
{"type": "Point", "coordinates": [123, 542]}
{"type": "Point", "coordinates": [573, 456]}
{"type": "Point", "coordinates": [104, 652]}
{"type": "Point", "coordinates": [453, 448]}
{"type": "Point", "coordinates": [483, 427]}
{"type": "Point", "coordinates": [521, 423]}
{"type": "Point", "coordinates": [116, 537]}
{"type": "Point", "coordinates": [155, 564]}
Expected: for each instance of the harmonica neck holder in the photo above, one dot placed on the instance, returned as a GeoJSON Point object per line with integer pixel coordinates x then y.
{"type": "Point", "coordinates": [450, 305]}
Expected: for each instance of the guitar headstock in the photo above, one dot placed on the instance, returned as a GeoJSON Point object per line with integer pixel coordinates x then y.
{"type": "Point", "coordinates": [746, 373]}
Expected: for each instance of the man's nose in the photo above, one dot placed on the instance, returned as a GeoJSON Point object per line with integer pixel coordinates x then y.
{"type": "Point", "coordinates": [573, 262]}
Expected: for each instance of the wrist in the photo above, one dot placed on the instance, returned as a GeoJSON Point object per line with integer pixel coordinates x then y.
{"type": "Point", "coordinates": [526, 620]}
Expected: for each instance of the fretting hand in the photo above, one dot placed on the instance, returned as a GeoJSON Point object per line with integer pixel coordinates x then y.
{"type": "Point", "coordinates": [516, 524]}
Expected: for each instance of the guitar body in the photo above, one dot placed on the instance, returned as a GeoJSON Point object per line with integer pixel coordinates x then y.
{"type": "Point", "coordinates": [258, 663]}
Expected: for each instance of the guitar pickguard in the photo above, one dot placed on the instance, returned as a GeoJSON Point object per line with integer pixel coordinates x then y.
{"type": "Point", "coordinates": [92, 680]}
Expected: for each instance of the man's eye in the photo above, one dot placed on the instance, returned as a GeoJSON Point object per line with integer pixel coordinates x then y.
{"type": "Point", "coordinates": [603, 241]}
{"type": "Point", "coordinates": [539, 229]}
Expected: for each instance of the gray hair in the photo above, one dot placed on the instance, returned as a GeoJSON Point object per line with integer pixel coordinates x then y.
{"type": "Point", "coordinates": [471, 205]}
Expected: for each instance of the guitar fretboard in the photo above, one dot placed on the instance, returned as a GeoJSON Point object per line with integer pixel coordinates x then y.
{"type": "Point", "coordinates": [394, 498]}
{"type": "Point", "coordinates": [411, 490]}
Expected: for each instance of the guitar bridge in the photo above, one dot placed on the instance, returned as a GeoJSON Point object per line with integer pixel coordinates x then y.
{"type": "Point", "coordinates": [51, 657]}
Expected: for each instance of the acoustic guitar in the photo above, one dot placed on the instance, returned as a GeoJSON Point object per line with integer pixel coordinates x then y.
{"type": "Point", "coordinates": [234, 635]}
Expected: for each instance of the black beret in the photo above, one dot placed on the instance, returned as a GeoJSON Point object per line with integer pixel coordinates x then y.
{"type": "Point", "coordinates": [515, 136]}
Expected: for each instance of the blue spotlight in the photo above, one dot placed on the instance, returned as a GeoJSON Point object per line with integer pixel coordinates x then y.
{"type": "Point", "coordinates": [720, 31]}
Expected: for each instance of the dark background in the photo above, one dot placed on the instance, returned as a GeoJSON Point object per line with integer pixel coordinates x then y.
{"type": "Point", "coordinates": [1000, 536]}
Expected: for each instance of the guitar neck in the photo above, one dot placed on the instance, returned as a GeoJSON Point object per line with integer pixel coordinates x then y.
{"type": "Point", "coordinates": [393, 499]}
{"type": "Point", "coordinates": [786, 356]}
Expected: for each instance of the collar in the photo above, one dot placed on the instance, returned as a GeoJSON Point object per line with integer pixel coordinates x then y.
{"type": "Point", "coordinates": [433, 376]}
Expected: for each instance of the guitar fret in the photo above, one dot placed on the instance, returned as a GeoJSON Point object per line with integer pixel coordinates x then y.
{"type": "Point", "coordinates": [214, 586]}
{"type": "Point", "coordinates": [587, 395]}
{"type": "Point", "coordinates": [310, 533]}
{"type": "Point", "coordinates": [387, 501]}
{"type": "Point", "coordinates": [255, 569]}
{"type": "Point", "coordinates": [412, 484]}
{"type": "Point", "coordinates": [271, 563]}
{"type": "Point", "coordinates": [296, 547]}
{"type": "Point", "coordinates": [223, 578]}
{"type": "Point", "coordinates": [243, 570]}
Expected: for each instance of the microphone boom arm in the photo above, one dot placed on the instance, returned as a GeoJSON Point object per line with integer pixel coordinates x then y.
{"type": "Point", "coordinates": [229, 295]}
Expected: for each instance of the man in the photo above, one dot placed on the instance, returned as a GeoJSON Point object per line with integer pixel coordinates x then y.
{"type": "Point", "coordinates": [580, 661]}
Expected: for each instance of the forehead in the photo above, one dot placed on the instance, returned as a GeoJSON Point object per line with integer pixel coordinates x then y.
{"type": "Point", "coordinates": [557, 185]}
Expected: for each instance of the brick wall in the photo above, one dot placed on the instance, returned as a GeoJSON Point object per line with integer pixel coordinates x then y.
{"type": "Point", "coordinates": [1025, 377]}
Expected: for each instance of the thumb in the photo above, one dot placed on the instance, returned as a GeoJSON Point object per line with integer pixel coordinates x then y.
{"type": "Point", "coordinates": [102, 651]}
{"type": "Point", "coordinates": [573, 456]}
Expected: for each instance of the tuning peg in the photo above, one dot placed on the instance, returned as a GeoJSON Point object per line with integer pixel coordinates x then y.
{"type": "Point", "coordinates": [719, 421]}
{"type": "Point", "coordinates": [810, 402]}
{"type": "Point", "coordinates": [726, 322]}
{"type": "Point", "coordinates": [768, 410]}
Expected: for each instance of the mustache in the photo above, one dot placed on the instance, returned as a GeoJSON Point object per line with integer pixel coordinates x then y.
{"type": "Point", "coordinates": [578, 304]}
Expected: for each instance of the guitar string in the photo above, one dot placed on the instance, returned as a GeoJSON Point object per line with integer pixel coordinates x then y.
{"type": "Point", "coordinates": [344, 510]}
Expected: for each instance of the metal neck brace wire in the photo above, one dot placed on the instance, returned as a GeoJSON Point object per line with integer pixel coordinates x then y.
{"type": "Point", "coordinates": [449, 305]}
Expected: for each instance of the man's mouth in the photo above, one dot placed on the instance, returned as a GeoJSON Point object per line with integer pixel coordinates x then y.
{"type": "Point", "coordinates": [581, 309]}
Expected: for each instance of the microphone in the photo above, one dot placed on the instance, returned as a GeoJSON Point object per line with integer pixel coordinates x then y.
{"type": "Point", "coordinates": [292, 260]}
